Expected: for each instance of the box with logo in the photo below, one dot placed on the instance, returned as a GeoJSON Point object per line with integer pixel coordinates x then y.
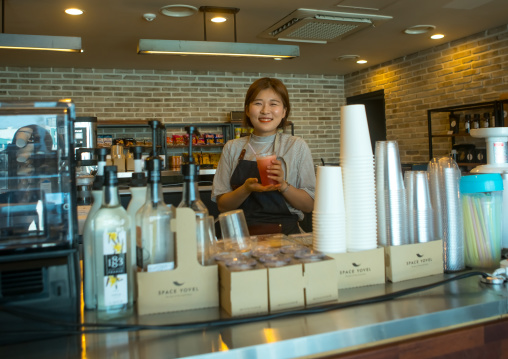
{"type": "Point", "coordinates": [414, 260]}
{"type": "Point", "coordinates": [358, 269]}
{"type": "Point", "coordinates": [189, 285]}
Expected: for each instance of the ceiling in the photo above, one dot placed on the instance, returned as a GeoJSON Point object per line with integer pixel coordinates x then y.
{"type": "Point", "coordinates": [110, 30]}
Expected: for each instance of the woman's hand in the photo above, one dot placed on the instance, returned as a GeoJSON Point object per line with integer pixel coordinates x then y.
{"type": "Point", "coordinates": [275, 172]}
{"type": "Point", "coordinates": [252, 185]}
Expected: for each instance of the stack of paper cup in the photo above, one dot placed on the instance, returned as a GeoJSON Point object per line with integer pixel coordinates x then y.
{"type": "Point", "coordinates": [357, 162]}
{"type": "Point", "coordinates": [328, 217]}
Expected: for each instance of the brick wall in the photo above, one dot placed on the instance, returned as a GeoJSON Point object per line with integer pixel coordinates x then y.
{"type": "Point", "coordinates": [181, 97]}
{"type": "Point", "coordinates": [469, 70]}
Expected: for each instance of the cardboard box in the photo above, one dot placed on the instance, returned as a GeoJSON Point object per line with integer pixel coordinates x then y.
{"type": "Point", "coordinates": [358, 269]}
{"type": "Point", "coordinates": [189, 285]}
{"type": "Point", "coordinates": [244, 292]}
{"type": "Point", "coordinates": [320, 281]}
{"type": "Point", "coordinates": [264, 290]}
{"type": "Point", "coordinates": [286, 287]}
{"type": "Point", "coordinates": [414, 260]}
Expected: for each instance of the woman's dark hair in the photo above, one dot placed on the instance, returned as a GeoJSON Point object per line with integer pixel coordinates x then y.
{"type": "Point", "coordinates": [263, 84]}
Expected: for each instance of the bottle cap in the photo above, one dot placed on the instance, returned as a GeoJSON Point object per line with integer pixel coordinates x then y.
{"type": "Point", "coordinates": [138, 179]}
{"type": "Point", "coordinates": [110, 177]}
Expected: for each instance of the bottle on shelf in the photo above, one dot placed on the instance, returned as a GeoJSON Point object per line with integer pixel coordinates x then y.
{"type": "Point", "coordinates": [476, 121]}
{"type": "Point", "coordinates": [111, 228]}
{"type": "Point", "coordinates": [467, 123]}
{"type": "Point", "coordinates": [486, 120]}
{"type": "Point", "coordinates": [155, 244]}
{"type": "Point", "coordinates": [89, 287]}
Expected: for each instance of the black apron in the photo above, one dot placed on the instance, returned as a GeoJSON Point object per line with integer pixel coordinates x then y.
{"type": "Point", "coordinates": [265, 212]}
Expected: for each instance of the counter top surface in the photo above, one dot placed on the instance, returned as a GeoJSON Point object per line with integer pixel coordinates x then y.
{"type": "Point", "coordinates": [345, 327]}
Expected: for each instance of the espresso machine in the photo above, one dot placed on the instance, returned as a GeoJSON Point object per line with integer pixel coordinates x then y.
{"type": "Point", "coordinates": [39, 262]}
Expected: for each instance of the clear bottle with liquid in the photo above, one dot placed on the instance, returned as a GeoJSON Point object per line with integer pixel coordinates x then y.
{"type": "Point", "coordinates": [192, 200]}
{"type": "Point", "coordinates": [155, 242]}
{"type": "Point", "coordinates": [137, 188]}
{"type": "Point", "coordinates": [111, 228]}
{"type": "Point", "coordinates": [89, 288]}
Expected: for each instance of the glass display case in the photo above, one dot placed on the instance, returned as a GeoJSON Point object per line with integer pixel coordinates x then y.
{"type": "Point", "coordinates": [37, 178]}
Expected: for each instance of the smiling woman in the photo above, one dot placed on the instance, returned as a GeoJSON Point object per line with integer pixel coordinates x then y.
{"type": "Point", "coordinates": [278, 206]}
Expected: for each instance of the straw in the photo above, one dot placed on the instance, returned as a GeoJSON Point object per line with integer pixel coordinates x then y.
{"type": "Point", "coordinates": [480, 220]}
{"type": "Point", "coordinates": [252, 148]}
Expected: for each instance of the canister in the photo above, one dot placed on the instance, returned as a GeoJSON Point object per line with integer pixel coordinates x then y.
{"type": "Point", "coordinates": [482, 204]}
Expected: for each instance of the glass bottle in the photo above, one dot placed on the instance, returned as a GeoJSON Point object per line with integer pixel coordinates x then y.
{"type": "Point", "coordinates": [476, 121]}
{"type": "Point", "coordinates": [191, 199]}
{"type": "Point", "coordinates": [111, 230]}
{"type": "Point", "coordinates": [89, 288]}
{"type": "Point", "coordinates": [486, 120]}
{"type": "Point", "coordinates": [467, 123]}
{"type": "Point", "coordinates": [155, 243]}
{"type": "Point", "coordinates": [137, 188]}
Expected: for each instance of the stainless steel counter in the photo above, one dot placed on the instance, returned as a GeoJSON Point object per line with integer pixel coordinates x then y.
{"type": "Point", "coordinates": [455, 304]}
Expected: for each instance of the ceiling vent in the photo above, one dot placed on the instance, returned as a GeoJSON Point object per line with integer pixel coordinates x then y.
{"type": "Point", "coordinates": [319, 26]}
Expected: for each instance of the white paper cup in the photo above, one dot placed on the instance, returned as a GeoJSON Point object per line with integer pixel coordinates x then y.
{"type": "Point", "coordinates": [329, 195]}
{"type": "Point", "coordinates": [354, 132]}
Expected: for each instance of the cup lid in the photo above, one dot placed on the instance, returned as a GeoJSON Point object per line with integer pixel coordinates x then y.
{"type": "Point", "coordinates": [481, 183]}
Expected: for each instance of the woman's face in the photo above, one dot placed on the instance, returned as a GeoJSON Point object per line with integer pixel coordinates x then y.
{"type": "Point", "coordinates": [266, 112]}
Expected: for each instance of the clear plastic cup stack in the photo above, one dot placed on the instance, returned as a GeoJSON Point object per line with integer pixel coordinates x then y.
{"type": "Point", "coordinates": [390, 195]}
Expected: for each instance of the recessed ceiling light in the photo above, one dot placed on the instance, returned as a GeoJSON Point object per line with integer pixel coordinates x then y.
{"type": "Point", "coordinates": [437, 36]}
{"type": "Point", "coordinates": [419, 29]}
{"type": "Point", "coordinates": [348, 58]}
{"type": "Point", "coordinates": [218, 19]}
{"type": "Point", "coordinates": [178, 10]}
{"type": "Point", "coordinates": [361, 61]}
{"type": "Point", "coordinates": [74, 11]}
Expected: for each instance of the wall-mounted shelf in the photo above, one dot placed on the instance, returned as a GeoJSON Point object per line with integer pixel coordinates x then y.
{"type": "Point", "coordinates": [495, 108]}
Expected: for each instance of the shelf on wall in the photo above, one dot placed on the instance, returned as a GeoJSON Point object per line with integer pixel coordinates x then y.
{"type": "Point", "coordinates": [493, 106]}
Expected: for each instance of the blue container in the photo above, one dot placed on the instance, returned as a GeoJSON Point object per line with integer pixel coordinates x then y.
{"type": "Point", "coordinates": [482, 205]}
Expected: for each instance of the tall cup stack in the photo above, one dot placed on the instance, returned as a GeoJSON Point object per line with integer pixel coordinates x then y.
{"type": "Point", "coordinates": [357, 163]}
{"type": "Point", "coordinates": [444, 175]}
{"type": "Point", "coordinates": [420, 212]}
{"type": "Point", "coordinates": [329, 217]}
{"type": "Point", "coordinates": [390, 195]}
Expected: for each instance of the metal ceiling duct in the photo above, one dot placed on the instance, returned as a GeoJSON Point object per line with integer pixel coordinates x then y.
{"type": "Point", "coordinates": [320, 26]}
